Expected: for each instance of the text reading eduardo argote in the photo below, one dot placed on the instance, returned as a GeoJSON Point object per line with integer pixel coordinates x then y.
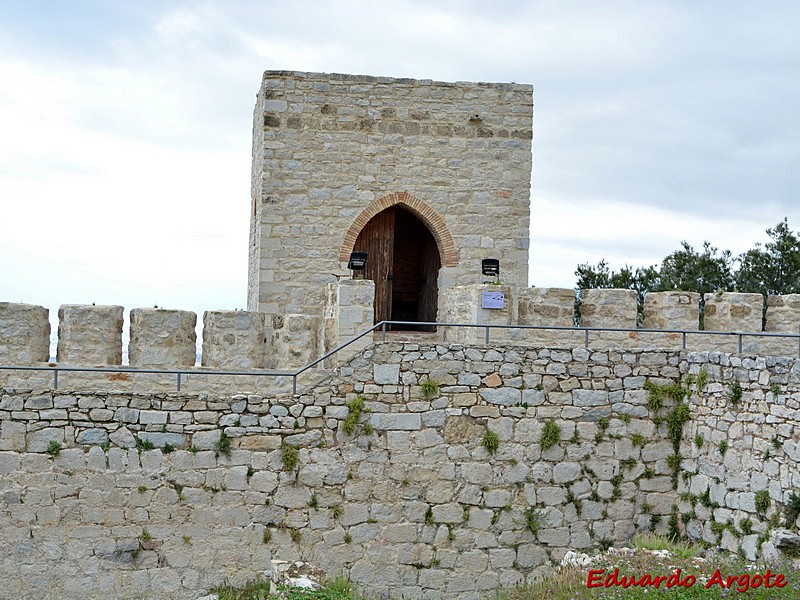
{"type": "Point", "coordinates": [740, 583]}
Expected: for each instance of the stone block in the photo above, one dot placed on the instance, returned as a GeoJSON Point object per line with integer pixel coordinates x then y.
{"type": "Point", "coordinates": [733, 311]}
{"type": "Point", "coordinates": [206, 440]}
{"type": "Point", "coordinates": [90, 335]}
{"type": "Point", "coordinates": [464, 304]}
{"type": "Point", "coordinates": [564, 472]}
{"type": "Point", "coordinates": [292, 496]}
{"type": "Point", "coordinates": [123, 438]}
{"type": "Point", "coordinates": [503, 396]}
{"type": "Point", "coordinates": [127, 415]}
{"type": "Point", "coordinates": [93, 436]}
{"type": "Point", "coordinates": [39, 402]}
{"type": "Point", "coordinates": [295, 341]}
{"type": "Point", "coordinates": [39, 441]}
{"type": "Point", "coordinates": [613, 308]}
{"type": "Point", "coordinates": [264, 481]}
{"type": "Point", "coordinates": [233, 340]}
{"type": "Point", "coordinates": [150, 417]}
{"type": "Point", "coordinates": [396, 421]}
{"type": "Point", "coordinates": [159, 439]}
{"type": "Point", "coordinates": [386, 374]}
{"type": "Point", "coordinates": [162, 339]}
{"type": "Point", "coordinates": [672, 310]}
{"type": "Point", "coordinates": [558, 536]}
{"type": "Point", "coordinates": [260, 443]}
{"type": "Point", "coordinates": [349, 311]}
{"type": "Point", "coordinates": [546, 306]}
{"type": "Point", "coordinates": [448, 513]}
{"type": "Point", "coordinates": [24, 334]}
{"type": "Point", "coordinates": [783, 316]}
{"type": "Point", "coordinates": [585, 398]}
{"type": "Point", "coordinates": [657, 451]}
{"type": "Point", "coordinates": [12, 435]}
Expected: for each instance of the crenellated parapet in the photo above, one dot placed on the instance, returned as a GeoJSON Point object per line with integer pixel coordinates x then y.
{"type": "Point", "coordinates": [91, 336]}
{"type": "Point", "coordinates": [162, 338]}
{"type": "Point", "coordinates": [24, 334]}
{"type": "Point", "coordinates": [234, 339]}
{"type": "Point", "coordinates": [672, 310]}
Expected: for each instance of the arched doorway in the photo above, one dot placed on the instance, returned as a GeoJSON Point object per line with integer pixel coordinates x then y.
{"type": "Point", "coordinates": [404, 264]}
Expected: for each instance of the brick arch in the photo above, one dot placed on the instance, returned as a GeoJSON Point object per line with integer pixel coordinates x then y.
{"type": "Point", "coordinates": [432, 219]}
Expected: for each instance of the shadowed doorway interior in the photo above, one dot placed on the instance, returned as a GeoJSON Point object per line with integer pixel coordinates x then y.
{"type": "Point", "coordinates": [404, 264]}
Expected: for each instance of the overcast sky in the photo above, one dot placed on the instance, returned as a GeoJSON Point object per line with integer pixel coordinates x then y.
{"type": "Point", "coordinates": [125, 128]}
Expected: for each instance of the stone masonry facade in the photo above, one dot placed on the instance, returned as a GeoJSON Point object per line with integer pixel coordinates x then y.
{"type": "Point", "coordinates": [330, 151]}
{"type": "Point", "coordinates": [400, 492]}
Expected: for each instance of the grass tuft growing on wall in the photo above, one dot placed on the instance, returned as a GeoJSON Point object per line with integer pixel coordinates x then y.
{"type": "Point", "coordinates": [290, 456]}
{"type": "Point", "coordinates": [490, 441]}
{"type": "Point", "coordinates": [551, 433]}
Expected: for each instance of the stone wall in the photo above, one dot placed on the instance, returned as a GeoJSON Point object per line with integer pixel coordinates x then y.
{"type": "Point", "coordinates": [741, 443]}
{"type": "Point", "coordinates": [89, 335]}
{"type": "Point", "coordinates": [549, 307]}
{"type": "Point", "coordinates": [349, 312]}
{"type": "Point", "coordinates": [24, 334]}
{"type": "Point", "coordinates": [234, 339]}
{"type": "Point", "coordinates": [465, 304]}
{"type": "Point", "coordinates": [405, 497]}
{"type": "Point", "coordinates": [246, 341]}
{"type": "Point", "coordinates": [331, 150]}
{"type": "Point", "coordinates": [671, 310]}
{"type": "Point", "coordinates": [782, 316]}
{"type": "Point", "coordinates": [162, 338]}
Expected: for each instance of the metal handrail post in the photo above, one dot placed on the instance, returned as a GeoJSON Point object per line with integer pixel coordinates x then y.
{"type": "Point", "coordinates": [487, 335]}
{"type": "Point", "coordinates": [586, 338]}
{"type": "Point", "coordinates": [179, 383]}
{"type": "Point", "coordinates": [55, 379]}
{"type": "Point", "coordinates": [683, 342]}
{"type": "Point", "coordinates": [740, 342]}
{"type": "Point", "coordinates": [294, 384]}
{"type": "Point", "coordinates": [383, 331]}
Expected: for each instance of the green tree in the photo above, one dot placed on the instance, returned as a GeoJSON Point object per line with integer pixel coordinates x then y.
{"type": "Point", "coordinates": [773, 269]}
{"type": "Point", "coordinates": [629, 278]}
{"type": "Point", "coordinates": [593, 277]}
{"type": "Point", "coordinates": [688, 270]}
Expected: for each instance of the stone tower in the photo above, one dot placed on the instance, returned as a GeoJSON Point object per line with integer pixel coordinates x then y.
{"type": "Point", "coordinates": [428, 177]}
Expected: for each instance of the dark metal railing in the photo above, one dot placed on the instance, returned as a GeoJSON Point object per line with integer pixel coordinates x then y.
{"type": "Point", "coordinates": [383, 327]}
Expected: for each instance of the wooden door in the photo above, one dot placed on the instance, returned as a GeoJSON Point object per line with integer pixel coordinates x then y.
{"type": "Point", "coordinates": [409, 244]}
{"type": "Point", "coordinates": [403, 261]}
{"type": "Point", "coordinates": [377, 240]}
{"type": "Point", "coordinates": [429, 284]}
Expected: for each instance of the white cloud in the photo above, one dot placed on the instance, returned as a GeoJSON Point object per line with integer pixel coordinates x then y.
{"type": "Point", "coordinates": [124, 158]}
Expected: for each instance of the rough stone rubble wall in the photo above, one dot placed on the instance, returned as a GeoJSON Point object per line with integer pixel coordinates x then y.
{"type": "Point", "coordinates": [411, 503]}
{"type": "Point", "coordinates": [750, 444]}
{"type": "Point", "coordinates": [328, 146]}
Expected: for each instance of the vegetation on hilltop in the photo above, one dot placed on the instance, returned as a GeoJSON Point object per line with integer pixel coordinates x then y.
{"type": "Point", "coordinates": [771, 269]}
